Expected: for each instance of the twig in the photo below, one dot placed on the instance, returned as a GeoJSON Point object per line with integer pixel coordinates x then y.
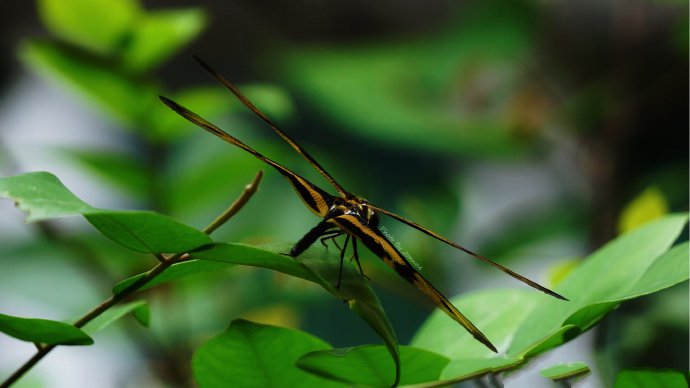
{"type": "Point", "coordinates": [165, 262]}
{"type": "Point", "coordinates": [247, 193]}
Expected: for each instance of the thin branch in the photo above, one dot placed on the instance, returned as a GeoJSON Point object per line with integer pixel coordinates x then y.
{"type": "Point", "coordinates": [239, 203]}
{"type": "Point", "coordinates": [165, 262]}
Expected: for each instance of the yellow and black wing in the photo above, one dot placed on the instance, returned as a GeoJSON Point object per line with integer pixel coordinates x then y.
{"type": "Point", "coordinates": [378, 243]}
{"type": "Point", "coordinates": [245, 101]}
{"type": "Point", "coordinates": [317, 200]}
{"type": "Point", "coordinates": [471, 253]}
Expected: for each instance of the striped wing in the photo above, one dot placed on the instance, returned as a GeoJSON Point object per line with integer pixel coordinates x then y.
{"type": "Point", "coordinates": [317, 200]}
{"type": "Point", "coordinates": [437, 236]}
{"type": "Point", "coordinates": [381, 247]}
{"type": "Point", "coordinates": [245, 101]}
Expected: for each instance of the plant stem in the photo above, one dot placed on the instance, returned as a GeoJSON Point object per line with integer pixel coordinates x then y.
{"type": "Point", "coordinates": [165, 262]}
{"type": "Point", "coordinates": [247, 193]}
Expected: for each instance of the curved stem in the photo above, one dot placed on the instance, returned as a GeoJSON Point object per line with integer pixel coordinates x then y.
{"type": "Point", "coordinates": [165, 262]}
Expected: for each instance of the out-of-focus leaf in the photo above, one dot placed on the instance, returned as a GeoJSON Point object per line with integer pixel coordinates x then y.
{"type": "Point", "coordinates": [253, 355]}
{"type": "Point", "coordinates": [120, 169]}
{"type": "Point", "coordinates": [567, 370]}
{"type": "Point", "coordinates": [43, 331]}
{"type": "Point", "coordinates": [126, 99]}
{"type": "Point", "coordinates": [370, 366]}
{"type": "Point", "coordinates": [608, 275]}
{"type": "Point", "coordinates": [647, 206]}
{"type": "Point", "coordinates": [44, 196]}
{"type": "Point", "coordinates": [561, 270]}
{"type": "Point", "coordinates": [174, 272]}
{"type": "Point", "coordinates": [113, 314]}
{"type": "Point", "coordinates": [100, 26]}
{"type": "Point", "coordinates": [159, 34]}
{"type": "Point", "coordinates": [651, 378]}
{"type": "Point", "coordinates": [454, 87]}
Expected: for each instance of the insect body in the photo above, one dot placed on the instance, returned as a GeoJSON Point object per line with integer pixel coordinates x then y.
{"type": "Point", "coordinates": [347, 214]}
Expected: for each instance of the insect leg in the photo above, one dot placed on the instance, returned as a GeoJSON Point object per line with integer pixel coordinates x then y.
{"type": "Point", "coordinates": [342, 255]}
{"type": "Point", "coordinates": [331, 235]}
{"type": "Point", "coordinates": [355, 256]}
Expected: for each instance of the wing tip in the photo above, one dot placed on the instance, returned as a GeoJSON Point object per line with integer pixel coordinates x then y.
{"type": "Point", "coordinates": [171, 104]}
{"type": "Point", "coordinates": [205, 65]}
{"type": "Point", "coordinates": [558, 296]}
{"type": "Point", "coordinates": [486, 343]}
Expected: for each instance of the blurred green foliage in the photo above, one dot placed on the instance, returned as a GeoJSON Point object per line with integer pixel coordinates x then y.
{"type": "Point", "coordinates": [398, 118]}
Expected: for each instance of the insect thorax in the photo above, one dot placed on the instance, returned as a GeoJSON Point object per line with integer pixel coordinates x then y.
{"type": "Point", "coordinates": [355, 205]}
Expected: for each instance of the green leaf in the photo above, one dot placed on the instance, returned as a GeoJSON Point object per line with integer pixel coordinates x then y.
{"type": "Point", "coordinates": [100, 26]}
{"type": "Point", "coordinates": [608, 275]}
{"type": "Point", "coordinates": [647, 206]}
{"type": "Point", "coordinates": [651, 378]}
{"type": "Point", "coordinates": [126, 99]}
{"type": "Point", "coordinates": [43, 331]}
{"type": "Point", "coordinates": [323, 269]}
{"type": "Point", "coordinates": [113, 314]}
{"type": "Point", "coordinates": [465, 369]}
{"type": "Point", "coordinates": [567, 370]}
{"type": "Point", "coordinates": [666, 271]}
{"type": "Point", "coordinates": [159, 34]}
{"type": "Point", "coordinates": [174, 272]}
{"type": "Point", "coordinates": [388, 91]}
{"type": "Point", "coordinates": [43, 196]}
{"type": "Point", "coordinates": [528, 323]}
{"type": "Point", "coordinates": [253, 355]}
{"type": "Point", "coordinates": [370, 366]}
{"type": "Point", "coordinates": [497, 313]}
{"type": "Point", "coordinates": [142, 314]}
{"type": "Point", "coordinates": [147, 232]}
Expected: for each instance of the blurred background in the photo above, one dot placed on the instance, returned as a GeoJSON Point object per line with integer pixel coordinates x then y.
{"type": "Point", "coordinates": [523, 130]}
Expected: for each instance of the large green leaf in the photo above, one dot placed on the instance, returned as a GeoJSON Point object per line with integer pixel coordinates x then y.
{"type": "Point", "coordinates": [314, 265]}
{"type": "Point", "coordinates": [125, 98]}
{"type": "Point", "coordinates": [253, 355]}
{"type": "Point", "coordinates": [651, 378]}
{"type": "Point", "coordinates": [43, 331]}
{"type": "Point", "coordinates": [100, 26]}
{"type": "Point", "coordinates": [632, 265]}
{"type": "Point", "coordinates": [608, 275]}
{"type": "Point", "coordinates": [147, 232]}
{"type": "Point", "coordinates": [498, 313]}
{"type": "Point", "coordinates": [369, 365]}
{"type": "Point", "coordinates": [43, 196]}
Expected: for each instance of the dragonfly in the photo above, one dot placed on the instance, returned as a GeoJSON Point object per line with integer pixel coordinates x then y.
{"type": "Point", "coordinates": [347, 214]}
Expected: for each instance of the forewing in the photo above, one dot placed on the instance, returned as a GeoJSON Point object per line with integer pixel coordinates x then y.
{"type": "Point", "coordinates": [381, 247]}
{"type": "Point", "coordinates": [245, 101]}
{"type": "Point", "coordinates": [317, 200]}
{"type": "Point", "coordinates": [471, 253]}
